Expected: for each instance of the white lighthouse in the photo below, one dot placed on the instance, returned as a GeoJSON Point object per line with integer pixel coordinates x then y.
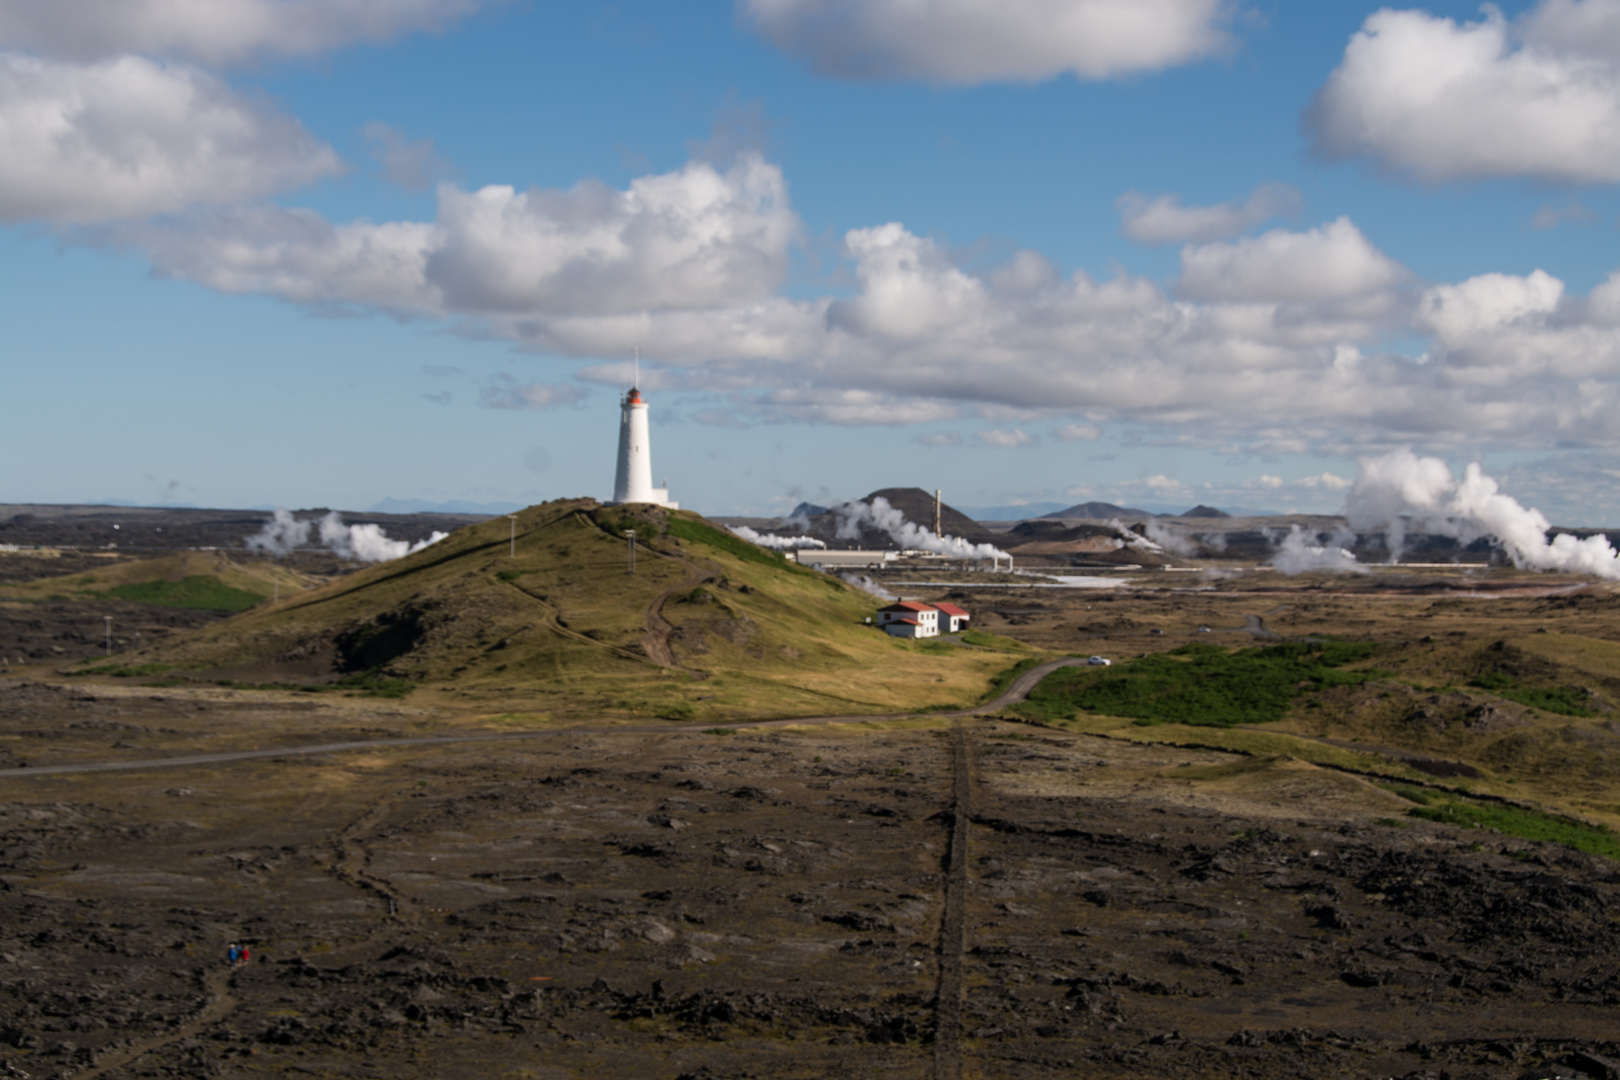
{"type": "Point", "coordinates": [633, 481]}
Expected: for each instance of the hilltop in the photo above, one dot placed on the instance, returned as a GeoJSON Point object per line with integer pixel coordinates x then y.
{"type": "Point", "coordinates": [707, 626]}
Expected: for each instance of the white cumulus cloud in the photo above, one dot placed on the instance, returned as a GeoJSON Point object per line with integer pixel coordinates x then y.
{"type": "Point", "coordinates": [131, 137]}
{"type": "Point", "coordinates": [214, 32]}
{"type": "Point", "coordinates": [1079, 433]}
{"type": "Point", "coordinates": [1271, 345]}
{"type": "Point", "coordinates": [1332, 261]}
{"type": "Point", "coordinates": [1441, 100]}
{"type": "Point", "coordinates": [1005, 438]}
{"type": "Point", "coordinates": [969, 41]}
{"type": "Point", "coordinates": [695, 238]}
{"type": "Point", "coordinates": [1163, 220]}
{"type": "Point", "coordinates": [507, 393]}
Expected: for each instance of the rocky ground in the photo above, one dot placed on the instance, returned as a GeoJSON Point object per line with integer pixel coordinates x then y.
{"type": "Point", "coordinates": [922, 899]}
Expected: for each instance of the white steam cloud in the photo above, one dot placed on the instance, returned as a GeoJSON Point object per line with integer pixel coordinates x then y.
{"type": "Point", "coordinates": [1400, 491]}
{"type": "Point", "coordinates": [1131, 539]}
{"type": "Point", "coordinates": [869, 586]}
{"type": "Point", "coordinates": [1171, 540]}
{"type": "Point", "coordinates": [775, 543]}
{"type": "Point", "coordinates": [881, 516]}
{"type": "Point", "coordinates": [283, 534]}
{"type": "Point", "coordinates": [1301, 551]}
{"type": "Point", "coordinates": [368, 543]}
{"type": "Point", "coordinates": [280, 535]}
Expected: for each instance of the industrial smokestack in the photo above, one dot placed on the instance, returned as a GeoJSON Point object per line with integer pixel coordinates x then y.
{"type": "Point", "coordinates": [938, 530]}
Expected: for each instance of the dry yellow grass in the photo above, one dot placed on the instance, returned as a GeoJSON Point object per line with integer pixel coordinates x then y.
{"type": "Point", "coordinates": [707, 627]}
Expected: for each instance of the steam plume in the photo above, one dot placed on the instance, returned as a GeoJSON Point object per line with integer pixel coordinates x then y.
{"type": "Point", "coordinates": [1300, 552]}
{"type": "Point", "coordinates": [867, 585]}
{"type": "Point", "coordinates": [1129, 539]}
{"type": "Point", "coordinates": [775, 543]}
{"type": "Point", "coordinates": [368, 543]}
{"type": "Point", "coordinates": [1172, 540]}
{"type": "Point", "coordinates": [283, 534]}
{"type": "Point", "coordinates": [1401, 491]}
{"type": "Point", "coordinates": [885, 518]}
{"type": "Point", "coordinates": [280, 535]}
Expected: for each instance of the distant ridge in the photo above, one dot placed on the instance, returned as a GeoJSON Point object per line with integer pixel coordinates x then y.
{"type": "Point", "coordinates": [1022, 512]}
{"type": "Point", "coordinates": [453, 506]}
{"type": "Point", "coordinates": [1100, 510]}
{"type": "Point", "coordinates": [1202, 511]}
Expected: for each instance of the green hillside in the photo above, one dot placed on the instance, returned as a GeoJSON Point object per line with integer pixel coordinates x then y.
{"type": "Point", "coordinates": [204, 580]}
{"type": "Point", "coordinates": [709, 626]}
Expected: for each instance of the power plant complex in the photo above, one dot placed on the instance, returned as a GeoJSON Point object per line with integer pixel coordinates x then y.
{"type": "Point", "coordinates": [633, 481]}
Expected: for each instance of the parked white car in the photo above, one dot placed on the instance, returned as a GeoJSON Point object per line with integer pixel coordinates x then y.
{"type": "Point", "coordinates": [1099, 661]}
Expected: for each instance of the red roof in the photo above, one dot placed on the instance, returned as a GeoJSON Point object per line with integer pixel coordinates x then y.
{"type": "Point", "coordinates": [907, 605]}
{"type": "Point", "coordinates": [952, 609]}
{"type": "Point", "coordinates": [908, 622]}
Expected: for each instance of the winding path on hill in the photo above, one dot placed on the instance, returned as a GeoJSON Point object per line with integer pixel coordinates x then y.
{"type": "Point", "coordinates": [1016, 691]}
{"type": "Point", "coordinates": [655, 642]}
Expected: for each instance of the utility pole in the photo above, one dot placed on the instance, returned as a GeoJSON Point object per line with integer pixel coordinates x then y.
{"type": "Point", "coordinates": [630, 534]}
{"type": "Point", "coordinates": [109, 633]}
{"type": "Point", "coordinates": [513, 519]}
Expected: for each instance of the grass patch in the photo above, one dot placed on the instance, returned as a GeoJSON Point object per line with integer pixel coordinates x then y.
{"type": "Point", "coordinates": [697, 532]}
{"type": "Point", "coordinates": [366, 684]}
{"type": "Point", "coordinates": [511, 575]}
{"type": "Point", "coordinates": [935, 648]}
{"type": "Point", "coordinates": [1525, 824]}
{"type": "Point", "coordinates": [376, 686]}
{"type": "Point", "coordinates": [1563, 700]}
{"type": "Point", "coordinates": [1202, 685]}
{"type": "Point", "coordinates": [199, 592]}
{"type": "Point", "coordinates": [721, 731]}
{"type": "Point", "coordinates": [1411, 793]}
{"type": "Point", "coordinates": [120, 671]}
{"type": "Point", "coordinates": [986, 640]}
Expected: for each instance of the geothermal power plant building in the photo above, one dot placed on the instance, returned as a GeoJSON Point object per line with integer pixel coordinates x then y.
{"type": "Point", "coordinates": [633, 481]}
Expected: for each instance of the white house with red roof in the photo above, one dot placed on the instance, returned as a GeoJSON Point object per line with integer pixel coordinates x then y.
{"type": "Point", "coordinates": [915, 619]}
{"type": "Point", "coordinates": [909, 618]}
{"type": "Point", "coordinates": [953, 620]}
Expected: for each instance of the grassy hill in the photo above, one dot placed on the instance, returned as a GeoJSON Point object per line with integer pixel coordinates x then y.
{"type": "Point", "coordinates": [203, 580]}
{"type": "Point", "coordinates": [709, 626]}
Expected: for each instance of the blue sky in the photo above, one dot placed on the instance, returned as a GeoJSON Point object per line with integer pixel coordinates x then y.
{"type": "Point", "coordinates": [1159, 252]}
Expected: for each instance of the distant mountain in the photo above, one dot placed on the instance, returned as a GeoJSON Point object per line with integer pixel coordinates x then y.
{"type": "Point", "coordinates": [144, 506]}
{"type": "Point", "coordinates": [807, 509]}
{"type": "Point", "coordinates": [1202, 511]}
{"type": "Point", "coordinates": [1010, 513]}
{"type": "Point", "coordinates": [915, 504]}
{"type": "Point", "coordinates": [918, 506]}
{"type": "Point", "coordinates": [454, 506]}
{"type": "Point", "coordinates": [1099, 510]}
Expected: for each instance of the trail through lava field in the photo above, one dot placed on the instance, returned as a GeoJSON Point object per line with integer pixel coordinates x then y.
{"type": "Point", "coordinates": [898, 900]}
